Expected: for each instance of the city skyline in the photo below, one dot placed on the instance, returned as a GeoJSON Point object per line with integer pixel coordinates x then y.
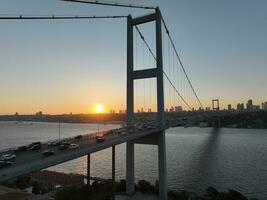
{"type": "Point", "coordinates": [100, 109]}
{"type": "Point", "coordinates": [43, 77]}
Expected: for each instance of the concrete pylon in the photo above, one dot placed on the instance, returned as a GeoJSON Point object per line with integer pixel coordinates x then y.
{"type": "Point", "coordinates": [163, 195]}
{"type": "Point", "coordinates": [142, 74]}
{"type": "Point", "coordinates": [130, 182]}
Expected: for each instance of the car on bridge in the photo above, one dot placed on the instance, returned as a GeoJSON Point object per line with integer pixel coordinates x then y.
{"type": "Point", "coordinates": [141, 128]}
{"type": "Point", "coordinates": [100, 138]}
{"type": "Point", "coordinates": [78, 137]}
{"type": "Point", "coordinates": [35, 147]}
{"type": "Point", "coordinates": [7, 157]}
{"type": "Point", "coordinates": [130, 129]}
{"type": "Point", "coordinates": [21, 149]}
{"type": "Point", "coordinates": [54, 143]}
{"type": "Point", "coordinates": [4, 164]}
{"type": "Point", "coordinates": [73, 146]}
{"type": "Point", "coordinates": [34, 144]}
{"type": "Point", "coordinates": [64, 145]}
{"type": "Point", "coordinates": [48, 153]}
{"type": "Point", "coordinates": [123, 133]}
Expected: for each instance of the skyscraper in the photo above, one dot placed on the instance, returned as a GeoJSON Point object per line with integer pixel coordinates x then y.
{"type": "Point", "coordinates": [264, 106]}
{"type": "Point", "coordinates": [240, 106]}
{"type": "Point", "coordinates": [250, 105]}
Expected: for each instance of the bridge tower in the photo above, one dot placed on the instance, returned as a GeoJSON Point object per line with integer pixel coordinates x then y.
{"type": "Point", "coordinates": [143, 74]}
{"type": "Point", "coordinates": [215, 101]}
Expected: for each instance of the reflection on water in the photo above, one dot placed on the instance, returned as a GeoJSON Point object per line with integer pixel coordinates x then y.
{"type": "Point", "coordinates": [196, 157]}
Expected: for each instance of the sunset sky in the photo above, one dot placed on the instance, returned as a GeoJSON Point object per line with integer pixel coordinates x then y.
{"type": "Point", "coordinates": [73, 66]}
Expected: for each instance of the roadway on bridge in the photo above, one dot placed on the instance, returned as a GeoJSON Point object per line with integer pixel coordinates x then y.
{"type": "Point", "coordinates": [30, 161]}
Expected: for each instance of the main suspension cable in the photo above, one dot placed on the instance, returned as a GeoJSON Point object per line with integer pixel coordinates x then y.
{"type": "Point", "coordinates": [109, 3]}
{"type": "Point", "coordinates": [57, 17]}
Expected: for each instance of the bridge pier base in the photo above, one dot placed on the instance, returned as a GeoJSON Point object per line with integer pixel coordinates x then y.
{"type": "Point", "coordinates": [113, 173]}
{"type": "Point", "coordinates": [130, 179]}
{"type": "Point", "coordinates": [163, 195]}
{"type": "Point", "coordinates": [88, 169]}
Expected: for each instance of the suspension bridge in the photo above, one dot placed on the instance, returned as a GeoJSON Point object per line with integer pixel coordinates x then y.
{"type": "Point", "coordinates": [157, 81]}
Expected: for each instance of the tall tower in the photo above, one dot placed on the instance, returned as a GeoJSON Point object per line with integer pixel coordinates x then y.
{"type": "Point", "coordinates": [217, 106]}
{"type": "Point", "coordinates": [143, 74]}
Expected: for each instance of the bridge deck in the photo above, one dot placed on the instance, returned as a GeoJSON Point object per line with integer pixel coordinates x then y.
{"type": "Point", "coordinates": [30, 161]}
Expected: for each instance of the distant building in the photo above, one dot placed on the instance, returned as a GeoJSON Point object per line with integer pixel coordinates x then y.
{"type": "Point", "coordinates": [256, 107]}
{"type": "Point", "coordinates": [229, 107]}
{"type": "Point", "coordinates": [112, 111]}
{"type": "Point", "coordinates": [178, 109]}
{"type": "Point", "coordinates": [250, 105]}
{"type": "Point", "coordinates": [240, 107]}
{"type": "Point", "coordinates": [264, 106]}
{"type": "Point", "coordinates": [40, 113]}
{"type": "Point", "coordinates": [200, 109]}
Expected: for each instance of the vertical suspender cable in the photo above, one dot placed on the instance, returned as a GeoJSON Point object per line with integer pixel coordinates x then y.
{"type": "Point", "coordinates": [170, 75]}
{"type": "Point", "coordinates": [164, 73]}
{"type": "Point", "coordinates": [135, 67]}
{"type": "Point", "coordinates": [174, 81]}
{"type": "Point", "coordinates": [144, 83]}
{"type": "Point", "coordinates": [180, 61]}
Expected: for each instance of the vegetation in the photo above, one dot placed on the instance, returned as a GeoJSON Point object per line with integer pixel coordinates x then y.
{"type": "Point", "coordinates": [120, 186]}
{"type": "Point", "coordinates": [39, 188]}
{"type": "Point", "coordinates": [20, 183]}
{"type": "Point", "coordinates": [246, 120]}
{"type": "Point", "coordinates": [98, 191]}
{"type": "Point", "coordinates": [102, 191]}
{"type": "Point", "coordinates": [146, 187]}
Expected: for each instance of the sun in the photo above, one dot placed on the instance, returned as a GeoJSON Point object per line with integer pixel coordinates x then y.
{"type": "Point", "coordinates": [99, 108]}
